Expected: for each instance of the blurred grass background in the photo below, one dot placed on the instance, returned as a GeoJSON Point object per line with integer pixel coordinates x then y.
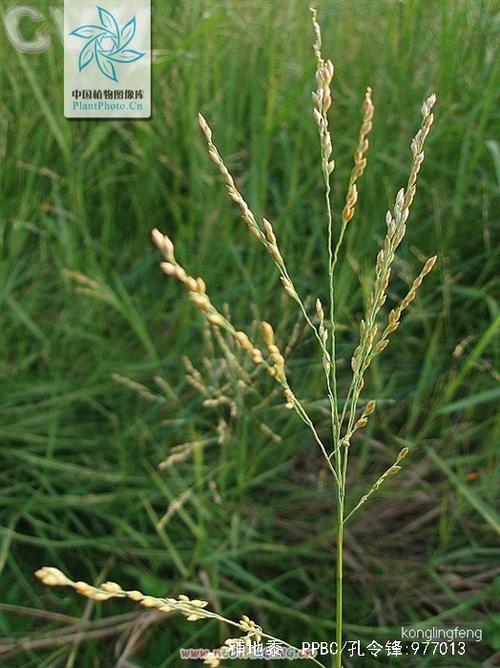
{"type": "Point", "coordinates": [80, 486]}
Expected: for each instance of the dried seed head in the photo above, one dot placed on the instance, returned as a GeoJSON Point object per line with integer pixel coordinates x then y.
{"type": "Point", "coordinates": [97, 595]}
{"type": "Point", "coordinates": [268, 333]}
{"type": "Point", "coordinates": [191, 284]}
{"type": "Point", "coordinates": [400, 198]}
{"type": "Point", "coordinates": [135, 595]}
{"type": "Point", "coordinates": [317, 31]}
{"type": "Point", "coordinates": [149, 602]}
{"type": "Point", "coordinates": [111, 587]}
{"type": "Point", "coordinates": [205, 127]}
{"type": "Point", "coordinates": [201, 301]}
{"type": "Point", "coordinates": [361, 423]}
{"type": "Point", "coordinates": [215, 319]}
{"type": "Point", "coordinates": [279, 371]}
{"type": "Point", "coordinates": [52, 577]}
{"type": "Point", "coordinates": [404, 452]}
{"type": "Point", "coordinates": [394, 316]}
{"type": "Point", "coordinates": [429, 265]}
{"type": "Point", "coordinates": [243, 340]}
{"type": "Point", "coordinates": [257, 357]}
{"type": "Point", "coordinates": [168, 268]}
{"type": "Point", "coordinates": [202, 288]}
{"type": "Point", "coordinates": [271, 237]}
{"type": "Point", "coordinates": [275, 253]}
{"type": "Point", "coordinates": [164, 244]}
{"type": "Point", "coordinates": [289, 289]}
{"type": "Point", "coordinates": [317, 116]}
{"type": "Point", "coordinates": [428, 104]}
{"type": "Point", "coordinates": [290, 398]}
{"type": "Point", "coordinates": [199, 604]}
{"type": "Point", "coordinates": [370, 408]}
{"type": "Point", "coordinates": [248, 625]}
{"type": "Point", "coordinates": [321, 317]}
{"type": "Point", "coordinates": [368, 107]}
{"type": "Point", "coordinates": [352, 196]}
{"type": "Point", "coordinates": [381, 345]}
{"type": "Point", "coordinates": [181, 274]}
{"type": "Point", "coordinates": [355, 359]}
{"type": "Point", "coordinates": [362, 147]}
{"type": "Point", "coordinates": [81, 586]}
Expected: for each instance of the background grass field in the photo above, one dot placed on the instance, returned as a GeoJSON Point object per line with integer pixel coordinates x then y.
{"type": "Point", "coordinates": [80, 486]}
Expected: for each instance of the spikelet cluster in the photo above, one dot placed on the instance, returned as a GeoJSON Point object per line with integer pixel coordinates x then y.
{"type": "Point", "coordinates": [232, 190]}
{"type": "Point", "coordinates": [417, 149]}
{"type": "Point", "coordinates": [322, 98]}
{"type": "Point", "coordinates": [192, 609]}
{"type": "Point", "coordinates": [240, 647]}
{"type": "Point", "coordinates": [359, 160]}
{"type": "Point", "coordinates": [227, 382]}
{"type": "Point", "coordinates": [396, 230]}
{"type": "Point", "coordinates": [90, 287]}
{"type": "Point", "coordinates": [265, 232]}
{"type": "Point", "coordinates": [277, 366]}
{"type": "Point", "coordinates": [196, 287]}
{"type": "Point", "coordinates": [363, 420]}
{"type": "Point", "coordinates": [198, 294]}
{"type": "Point", "coordinates": [391, 471]}
{"type": "Point", "coordinates": [364, 131]}
{"type": "Point", "coordinates": [395, 314]}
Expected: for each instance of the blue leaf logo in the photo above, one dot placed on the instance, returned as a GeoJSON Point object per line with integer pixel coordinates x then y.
{"type": "Point", "coordinates": [108, 20]}
{"type": "Point", "coordinates": [86, 56]}
{"type": "Point", "coordinates": [107, 44]}
{"type": "Point", "coordinates": [128, 32]}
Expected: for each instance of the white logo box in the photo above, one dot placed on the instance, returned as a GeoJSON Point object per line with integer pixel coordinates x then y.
{"type": "Point", "coordinates": [107, 59]}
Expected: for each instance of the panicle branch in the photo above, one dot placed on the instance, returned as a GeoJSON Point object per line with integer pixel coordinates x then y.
{"type": "Point", "coordinates": [232, 190]}
{"type": "Point", "coordinates": [369, 345]}
{"type": "Point", "coordinates": [392, 470]}
{"type": "Point", "coordinates": [265, 234]}
{"type": "Point", "coordinates": [357, 170]}
{"type": "Point", "coordinates": [395, 314]}
{"type": "Point", "coordinates": [275, 367]}
{"type": "Point", "coordinates": [322, 99]}
{"type": "Point", "coordinates": [192, 609]}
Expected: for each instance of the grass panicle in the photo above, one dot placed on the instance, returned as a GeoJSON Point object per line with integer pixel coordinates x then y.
{"type": "Point", "coordinates": [192, 609]}
{"type": "Point", "coordinates": [265, 353]}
